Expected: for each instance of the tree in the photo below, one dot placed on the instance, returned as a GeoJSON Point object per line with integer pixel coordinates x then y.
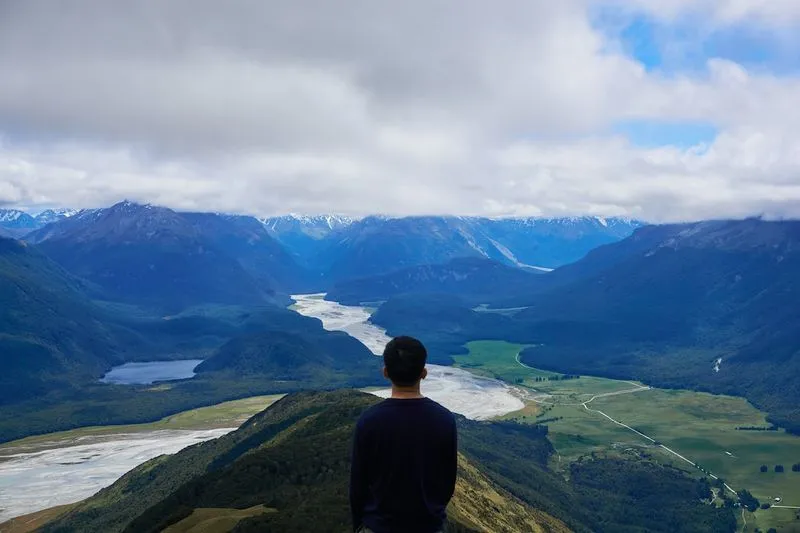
{"type": "Point", "coordinates": [748, 500]}
{"type": "Point", "coordinates": [765, 506]}
{"type": "Point", "coordinates": [779, 468]}
{"type": "Point", "coordinates": [764, 468]}
{"type": "Point", "coordinates": [796, 467]}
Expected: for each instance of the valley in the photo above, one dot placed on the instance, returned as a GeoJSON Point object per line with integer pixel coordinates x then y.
{"type": "Point", "coordinates": [128, 375]}
{"type": "Point", "coordinates": [84, 460]}
{"type": "Point", "coordinates": [460, 391]}
{"type": "Point", "coordinates": [60, 468]}
{"type": "Point", "coordinates": [585, 416]}
{"type": "Point", "coordinates": [575, 225]}
{"type": "Point", "coordinates": [687, 427]}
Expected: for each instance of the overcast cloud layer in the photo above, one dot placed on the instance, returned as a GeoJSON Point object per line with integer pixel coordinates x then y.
{"type": "Point", "coordinates": [412, 107]}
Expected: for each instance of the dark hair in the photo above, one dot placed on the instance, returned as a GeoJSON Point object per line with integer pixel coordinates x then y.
{"type": "Point", "coordinates": [404, 359]}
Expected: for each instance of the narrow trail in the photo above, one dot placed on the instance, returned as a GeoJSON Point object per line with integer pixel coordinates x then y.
{"type": "Point", "coordinates": [651, 439]}
{"type": "Point", "coordinates": [638, 388]}
{"type": "Point", "coordinates": [523, 364]}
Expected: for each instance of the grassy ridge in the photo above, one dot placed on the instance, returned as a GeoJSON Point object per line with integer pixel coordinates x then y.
{"type": "Point", "coordinates": [294, 457]}
{"type": "Point", "coordinates": [224, 415]}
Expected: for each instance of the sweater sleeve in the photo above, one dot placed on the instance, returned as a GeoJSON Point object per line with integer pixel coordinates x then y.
{"type": "Point", "coordinates": [452, 465]}
{"type": "Point", "coordinates": [358, 479]}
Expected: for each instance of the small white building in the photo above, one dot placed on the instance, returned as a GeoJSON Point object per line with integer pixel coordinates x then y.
{"type": "Point", "coordinates": [778, 499]}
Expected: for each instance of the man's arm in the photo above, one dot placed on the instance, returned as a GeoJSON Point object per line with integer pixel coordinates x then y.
{"type": "Point", "coordinates": [358, 479]}
{"type": "Point", "coordinates": [452, 466]}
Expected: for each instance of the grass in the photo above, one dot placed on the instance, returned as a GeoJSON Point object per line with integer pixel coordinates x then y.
{"type": "Point", "coordinates": [31, 522]}
{"type": "Point", "coordinates": [699, 426]}
{"type": "Point", "coordinates": [702, 427]}
{"type": "Point", "coordinates": [210, 520]}
{"type": "Point", "coordinates": [498, 359]}
{"type": "Point", "coordinates": [784, 520]}
{"type": "Point", "coordinates": [222, 415]}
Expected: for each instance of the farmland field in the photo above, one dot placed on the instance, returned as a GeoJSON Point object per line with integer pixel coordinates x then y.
{"type": "Point", "coordinates": [699, 426]}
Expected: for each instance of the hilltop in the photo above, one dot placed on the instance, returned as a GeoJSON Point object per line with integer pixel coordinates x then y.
{"type": "Point", "coordinates": [286, 469]}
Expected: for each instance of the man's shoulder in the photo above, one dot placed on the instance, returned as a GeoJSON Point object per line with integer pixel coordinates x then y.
{"type": "Point", "coordinates": [380, 410]}
{"type": "Point", "coordinates": [441, 409]}
{"type": "Point", "coordinates": [372, 412]}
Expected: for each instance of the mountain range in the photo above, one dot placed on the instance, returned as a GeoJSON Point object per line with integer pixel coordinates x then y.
{"type": "Point", "coordinates": [477, 280]}
{"type": "Point", "coordinates": [343, 249]}
{"type": "Point", "coordinates": [294, 253]}
{"type": "Point", "coordinates": [16, 223]}
{"type": "Point", "coordinates": [287, 468]}
{"type": "Point", "coordinates": [707, 306]}
{"type": "Point", "coordinates": [155, 256]}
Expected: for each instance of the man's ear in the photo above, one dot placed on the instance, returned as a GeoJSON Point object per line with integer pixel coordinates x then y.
{"type": "Point", "coordinates": [386, 372]}
{"type": "Point", "coordinates": [424, 373]}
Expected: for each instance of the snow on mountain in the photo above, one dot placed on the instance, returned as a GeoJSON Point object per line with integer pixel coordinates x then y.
{"type": "Point", "coordinates": [16, 220]}
{"type": "Point", "coordinates": [10, 215]}
{"type": "Point", "coordinates": [54, 215]}
{"type": "Point", "coordinates": [329, 221]}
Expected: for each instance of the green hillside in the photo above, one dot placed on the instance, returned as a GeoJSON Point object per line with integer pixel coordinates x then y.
{"type": "Point", "coordinates": [293, 459]}
{"type": "Point", "coordinates": [265, 350]}
{"type": "Point", "coordinates": [51, 335]}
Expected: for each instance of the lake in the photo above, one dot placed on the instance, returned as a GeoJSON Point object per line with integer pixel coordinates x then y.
{"type": "Point", "coordinates": [150, 372]}
{"type": "Point", "coordinates": [35, 478]}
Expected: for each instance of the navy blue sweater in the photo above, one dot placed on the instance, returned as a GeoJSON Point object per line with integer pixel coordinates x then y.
{"type": "Point", "coordinates": [403, 466]}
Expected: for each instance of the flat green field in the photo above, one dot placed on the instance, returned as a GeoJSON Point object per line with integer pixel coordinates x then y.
{"type": "Point", "coordinates": [223, 415]}
{"type": "Point", "coordinates": [699, 426]}
{"type": "Point", "coordinates": [499, 359]}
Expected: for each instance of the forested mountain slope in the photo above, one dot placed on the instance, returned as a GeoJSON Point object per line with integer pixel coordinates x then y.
{"type": "Point", "coordinates": [667, 313]}
{"type": "Point", "coordinates": [708, 306]}
{"type": "Point", "coordinates": [51, 335]}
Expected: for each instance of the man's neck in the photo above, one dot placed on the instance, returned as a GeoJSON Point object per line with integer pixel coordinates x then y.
{"type": "Point", "coordinates": [406, 393]}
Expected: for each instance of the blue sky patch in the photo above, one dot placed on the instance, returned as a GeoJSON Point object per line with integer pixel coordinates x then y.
{"type": "Point", "coordinates": [649, 134]}
{"type": "Point", "coordinates": [686, 44]}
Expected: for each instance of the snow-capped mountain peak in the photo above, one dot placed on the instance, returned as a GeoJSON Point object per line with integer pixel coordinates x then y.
{"type": "Point", "coordinates": [10, 215]}
{"type": "Point", "coordinates": [309, 222]}
{"type": "Point", "coordinates": [16, 220]}
{"type": "Point", "coordinates": [53, 215]}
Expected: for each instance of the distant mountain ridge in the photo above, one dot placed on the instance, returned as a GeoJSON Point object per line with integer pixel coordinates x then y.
{"type": "Point", "coordinates": [379, 245]}
{"type": "Point", "coordinates": [16, 223]}
{"type": "Point", "coordinates": [156, 256]}
{"type": "Point", "coordinates": [298, 253]}
{"type": "Point", "coordinates": [476, 280]}
{"type": "Point", "coordinates": [708, 306]}
{"type": "Point", "coordinates": [679, 299]}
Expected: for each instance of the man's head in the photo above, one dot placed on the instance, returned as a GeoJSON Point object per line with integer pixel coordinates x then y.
{"type": "Point", "coordinates": [404, 361]}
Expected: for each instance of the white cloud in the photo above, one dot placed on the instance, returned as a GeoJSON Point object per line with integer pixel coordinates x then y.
{"type": "Point", "coordinates": [364, 106]}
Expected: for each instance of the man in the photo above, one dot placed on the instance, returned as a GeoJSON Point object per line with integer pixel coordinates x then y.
{"type": "Point", "coordinates": [404, 452]}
